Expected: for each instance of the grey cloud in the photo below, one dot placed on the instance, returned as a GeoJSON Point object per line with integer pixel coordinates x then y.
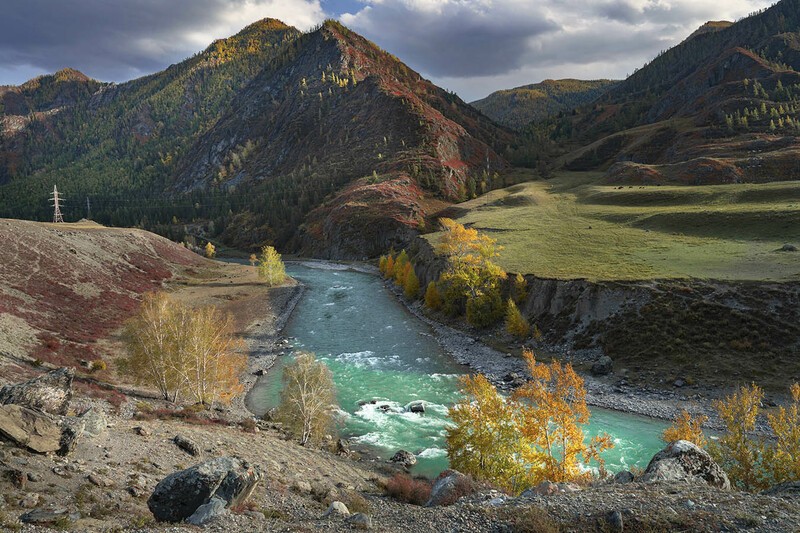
{"type": "Point", "coordinates": [116, 39]}
{"type": "Point", "coordinates": [459, 41]}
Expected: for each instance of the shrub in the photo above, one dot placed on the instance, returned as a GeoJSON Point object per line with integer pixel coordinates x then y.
{"type": "Point", "coordinates": [485, 309]}
{"type": "Point", "coordinates": [516, 324]}
{"type": "Point", "coordinates": [520, 289]}
{"type": "Point", "coordinates": [464, 486]}
{"type": "Point", "coordinates": [210, 250]}
{"type": "Point", "coordinates": [737, 451]}
{"type": "Point", "coordinates": [432, 297]}
{"type": "Point", "coordinates": [685, 427]}
{"type": "Point", "coordinates": [532, 519]}
{"type": "Point", "coordinates": [406, 489]}
{"type": "Point", "coordinates": [98, 365]}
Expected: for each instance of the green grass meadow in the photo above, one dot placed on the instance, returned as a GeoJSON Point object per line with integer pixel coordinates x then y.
{"type": "Point", "coordinates": [568, 227]}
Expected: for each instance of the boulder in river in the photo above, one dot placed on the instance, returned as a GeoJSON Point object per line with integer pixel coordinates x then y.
{"type": "Point", "coordinates": [180, 494]}
{"type": "Point", "coordinates": [49, 393]}
{"type": "Point", "coordinates": [683, 461]}
{"type": "Point", "coordinates": [416, 407]}
{"type": "Point", "coordinates": [29, 429]}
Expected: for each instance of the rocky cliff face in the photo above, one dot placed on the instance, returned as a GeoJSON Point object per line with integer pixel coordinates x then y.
{"type": "Point", "coordinates": [700, 330]}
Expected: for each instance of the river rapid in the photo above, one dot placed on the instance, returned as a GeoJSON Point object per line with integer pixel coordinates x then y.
{"type": "Point", "coordinates": [383, 358]}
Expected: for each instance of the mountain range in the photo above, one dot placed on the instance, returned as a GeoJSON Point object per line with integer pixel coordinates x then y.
{"type": "Point", "coordinates": [323, 144]}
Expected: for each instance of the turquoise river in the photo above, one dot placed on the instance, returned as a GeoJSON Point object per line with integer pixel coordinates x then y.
{"type": "Point", "coordinates": [378, 351]}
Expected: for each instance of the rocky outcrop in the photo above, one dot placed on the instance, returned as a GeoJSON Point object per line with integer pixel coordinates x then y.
{"type": "Point", "coordinates": [404, 458]}
{"type": "Point", "coordinates": [49, 393]}
{"type": "Point", "coordinates": [29, 429]}
{"type": "Point", "coordinates": [179, 495]}
{"type": "Point", "coordinates": [685, 462]}
{"type": "Point", "coordinates": [603, 366]}
{"type": "Point", "coordinates": [444, 490]}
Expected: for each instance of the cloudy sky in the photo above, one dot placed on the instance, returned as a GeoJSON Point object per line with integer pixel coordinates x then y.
{"type": "Point", "coordinates": [472, 47]}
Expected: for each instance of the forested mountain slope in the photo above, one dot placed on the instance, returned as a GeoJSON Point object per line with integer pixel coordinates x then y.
{"type": "Point", "coordinates": [252, 134]}
{"type": "Point", "coordinates": [700, 111]}
{"type": "Point", "coordinates": [518, 107]}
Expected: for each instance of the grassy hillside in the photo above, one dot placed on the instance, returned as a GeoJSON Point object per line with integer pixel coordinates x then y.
{"type": "Point", "coordinates": [518, 107]}
{"type": "Point", "coordinates": [571, 227]}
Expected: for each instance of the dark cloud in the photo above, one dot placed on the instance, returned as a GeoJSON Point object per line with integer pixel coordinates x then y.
{"type": "Point", "coordinates": [120, 39]}
{"type": "Point", "coordinates": [459, 40]}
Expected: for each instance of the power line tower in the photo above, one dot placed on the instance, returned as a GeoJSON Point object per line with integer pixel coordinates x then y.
{"type": "Point", "coordinates": [56, 199]}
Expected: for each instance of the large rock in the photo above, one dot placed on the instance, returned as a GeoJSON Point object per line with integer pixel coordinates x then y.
{"type": "Point", "coordinates": [404, 458]}
{"type": "Point", "coordinates": [94, 422]}
{"type": "Point", "coordinates": [49, 393]}
{"type": "Point", "coordinates": [683, 461]}
{"type": "Point", "coordinates": [180, 494]}
{"type": "Point", "coordinates": [208, 512]}
{"type": "Point", "coordinates": [445, 489]}
{"type": "Point", "coordinates": [603, 366]}
{"type": "Point", "coordinates": [71, 431]}
{"type": "Point", "coordinates": [29, 429]}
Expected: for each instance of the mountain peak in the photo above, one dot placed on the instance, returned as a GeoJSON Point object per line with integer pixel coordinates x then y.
{"type": "Point", "coordinates": [711, 26]}
{"type": "Point", "coordinates": [265, 24]}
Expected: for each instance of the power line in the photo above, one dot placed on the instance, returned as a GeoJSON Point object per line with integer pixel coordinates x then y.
{"type": "Point", "coordinates": [56, 199]}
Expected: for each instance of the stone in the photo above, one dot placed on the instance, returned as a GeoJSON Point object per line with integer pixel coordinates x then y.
{"type": "Point", "coordinates": [404, 458]}
{"type": "Point", "coordinates": [33, 477]}
{"type": "Point", "coordinates": [623, 476]}
{"type": "Point", "coordinates": [142, 431]}
{"type": "Point", "coordinates": [48, 516]}
{"type": "Point", "coordinates": [48, 393]}
{"type": "Point", "coordinates": [99, 481]}
{"type": "Point", "coordinates": [208, 512]}
{"type": "Point", "coordinates": [186, 444]}
{"type": "Point", "coordinates": [29, 429]}
{"type": "Point", "coordinates": [603, 366]}
{"type": "Point", "coordinates": [360, 521]}
{"type": "Point", "coordinates": [678, 383]}
{"type": "Point", "coordinates": [178, 496]}
{"type": "Point", "coordinates": [416, 407]}
{"type": "Point", "coordinates": [545, 488]}
{"type": "Point", "coordinates": [71, 432]}
{"type": "Point", "coordinates": [342, 447]}
{"type": "Point", "coordinates": [17, 478]}
{"type": "Point", "coordinates": [444, 489]}
{"type": "Point", "coordinates": [303, 487]}
{"type": "Point", "coordinates": [614, 521]}
{"type": "Point", "coordinates": [30, 500]}
{"type": "Point", "coordinates": [336, 508]}
{"type": "Point", "coordinates": [788, 248]}
{"type": "Point", "coordinates": [789, 488]}
{"type": "Point", "coordinates": [686, 462]}
{"type": "Point", "coordinates": [94, 422]}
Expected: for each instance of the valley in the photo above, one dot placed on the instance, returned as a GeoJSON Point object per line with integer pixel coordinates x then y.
{"type": "Point", "coordinates": [489, 315]}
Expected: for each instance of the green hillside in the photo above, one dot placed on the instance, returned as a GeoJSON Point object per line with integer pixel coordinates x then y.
{"type": "Point", "coordinates": [518, 107]}
{"type": "Point", "coordinates": [570, 227]}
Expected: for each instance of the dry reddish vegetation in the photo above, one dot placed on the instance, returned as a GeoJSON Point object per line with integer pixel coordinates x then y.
{"type": "Point", "coordinates": [74, 284]}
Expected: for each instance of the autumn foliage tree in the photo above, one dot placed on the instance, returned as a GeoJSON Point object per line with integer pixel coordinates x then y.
{"type": "Point", "coordinates": [686, 427]}
{"type": "Point", "coordinates": [471, 278]}
{"type": "Point", "coordinates": [432, 297]}
{"type": "Point", "coordinates": [210, 250]}
{"type": "Point", "coordinates": [183, 351]}
{"type": "Point", "coordinates": [738, 451]}
{"type": "Point", "coordinates": [516, 324]}
{"type": "Point", "coordinates": [270, 266]}
{"type": "Point", "coordinates": [784, 454]}
{"type": "Point", "coordinates": [532, 436]}
{"type": "Point", "coordinates": [308, 398]}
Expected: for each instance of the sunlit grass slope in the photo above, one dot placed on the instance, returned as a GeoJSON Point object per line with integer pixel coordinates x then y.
{"type": "Point", "coordinates": [569, 227]}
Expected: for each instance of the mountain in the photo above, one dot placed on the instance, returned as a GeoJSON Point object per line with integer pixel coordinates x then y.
{"type": "Point", "coordinates": [518, 107]}
{"type": "Point", "coordinates": [268, 136]}
{"type": "Point", "coordinates": [700, 111]}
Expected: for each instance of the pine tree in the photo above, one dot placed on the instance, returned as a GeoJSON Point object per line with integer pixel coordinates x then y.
{"type": "Point", "coordinates": [516, 324]}
{"type": "Point", "coordinates": [432, 298]}
{"type": "Point", "coordinates": [411, 283]}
